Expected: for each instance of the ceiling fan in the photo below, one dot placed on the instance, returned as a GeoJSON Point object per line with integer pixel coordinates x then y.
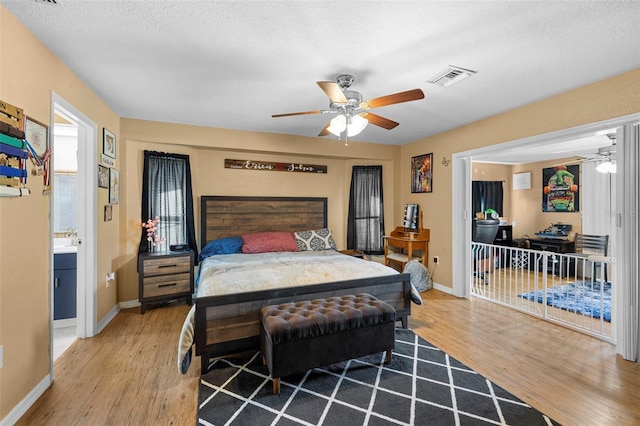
{"type": "Point", "coordinates": [353, 114]}
{"type": "Point", "coordinates": [605, 154]}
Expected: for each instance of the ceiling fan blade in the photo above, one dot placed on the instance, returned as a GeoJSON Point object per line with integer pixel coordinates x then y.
{"type": "Point", "coordinates": [574, 161]}
{"type": "Point", "coordinates": [319, 111]}
{"type": "Point", "coordinates": [333, 91]}
{"type": "Point", "coordinates": [325, 131]}
{"type": "Point", "coordinates": [379, 121]}
{"type": "Point", "coordinates": [396, 98]}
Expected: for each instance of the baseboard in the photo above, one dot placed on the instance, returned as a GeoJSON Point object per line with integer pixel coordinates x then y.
{"type": "Point", "coordinates": [107, 318]}
{"type": "Point", "coordinates": [442, 288]}
{"type": "Point", "coordinates": [22, 407]}
{"type": "Point", "coordinates": [129, 304]}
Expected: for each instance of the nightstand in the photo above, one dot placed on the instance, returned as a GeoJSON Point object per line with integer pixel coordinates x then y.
{"type": "Point", "coordinates": [165, 276]}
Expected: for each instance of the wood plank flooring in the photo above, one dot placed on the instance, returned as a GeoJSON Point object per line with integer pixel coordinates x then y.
{"type": "Point", "coordinates": [128, 374]}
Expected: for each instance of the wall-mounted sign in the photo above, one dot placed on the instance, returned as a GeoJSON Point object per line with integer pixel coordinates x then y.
{"type": "Point", "coordinates": [274, 167]}
{"type": "Point", "coordinates": [522, 180]}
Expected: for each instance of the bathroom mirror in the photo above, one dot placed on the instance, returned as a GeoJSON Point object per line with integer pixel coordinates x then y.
{"type": "Point", "coordinates": [410, 220]}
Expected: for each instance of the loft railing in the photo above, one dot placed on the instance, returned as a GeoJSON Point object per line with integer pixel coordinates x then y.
{"type": "Point", "coordinates": [572, 290]}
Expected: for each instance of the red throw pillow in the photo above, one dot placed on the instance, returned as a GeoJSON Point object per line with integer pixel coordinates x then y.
{"type": "Point", "coordinates": [264, 242]}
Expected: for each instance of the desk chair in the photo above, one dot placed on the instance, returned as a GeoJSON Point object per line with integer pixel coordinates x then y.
{"type": "Point", "coordinates": [593, 244]}
{"type": "Point", "coordinates": [484, 231]}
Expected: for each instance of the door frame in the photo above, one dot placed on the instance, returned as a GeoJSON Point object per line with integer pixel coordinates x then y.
{"type": "Point", "coordinates": [461, 204]}
{"type": "Point", "coordinates": [86, 321]}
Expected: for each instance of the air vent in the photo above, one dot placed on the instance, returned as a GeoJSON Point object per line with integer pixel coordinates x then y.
{"type": "Point", "coordinates": [450, 76]}
{"type": "Point", "coordinates": [47, 1]}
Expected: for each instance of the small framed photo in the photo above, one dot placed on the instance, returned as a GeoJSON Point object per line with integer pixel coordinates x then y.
{"type": "Point", "coordinates": [103, 177]}
{"type": "Point", "coordinates": [421, 173]}
{"type": "Point", "coordinates": [109, 144]}
{"type": "Point", "coordinates": [37, 134]}
{"type": "Point", "coordinates": [108, 212]}
{"type": "Point", "coordinates": [114, 186]}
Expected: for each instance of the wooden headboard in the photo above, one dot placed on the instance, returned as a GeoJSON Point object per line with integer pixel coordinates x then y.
{"type": "Point", "coordinates": [228, 216]}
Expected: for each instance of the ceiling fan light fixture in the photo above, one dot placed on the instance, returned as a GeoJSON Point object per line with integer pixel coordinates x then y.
{"type": "Point", "coordinates": [607, 167]}
{"type": "Point", "coordinates": [338, 125]}
{"type": "Point", "coordinates": [356, 125]}
{"type": "Point", "coordinates": [450, 76]}
{"type": "Point", "coordinates": [353, 125]}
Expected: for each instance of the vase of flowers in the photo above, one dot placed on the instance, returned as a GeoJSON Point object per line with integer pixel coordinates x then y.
{"type": "Point", "coordinates": [153, 239]}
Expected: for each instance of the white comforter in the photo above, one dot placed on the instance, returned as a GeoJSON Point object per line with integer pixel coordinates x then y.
{"type": "Point", "coordinates": [241, 273]}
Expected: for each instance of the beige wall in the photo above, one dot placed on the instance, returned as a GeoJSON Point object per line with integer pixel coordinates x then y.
{"type": "Point", "coordinates": [523, 206]}
{"type": "Point", "coordinates": [209, 147]}
{"type": "Point", "coordinates": [527, 204]}
{"type": "Point", "coordinates": [615, 97]}
{"type": "Point", "coordinates": [496, 172]}
{"type": "Point", "coordinates": [29, 73]}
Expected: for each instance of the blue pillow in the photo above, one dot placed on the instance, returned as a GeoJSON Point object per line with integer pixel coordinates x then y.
{"type": "Point", "coordinates": [227, 245]}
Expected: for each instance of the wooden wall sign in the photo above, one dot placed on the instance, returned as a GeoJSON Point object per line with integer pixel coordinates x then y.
{"type": "Point", "coordinates": [274, 167]}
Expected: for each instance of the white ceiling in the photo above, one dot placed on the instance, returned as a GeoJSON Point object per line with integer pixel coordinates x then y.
{"type": "Point", "coordinates": [232, 64]}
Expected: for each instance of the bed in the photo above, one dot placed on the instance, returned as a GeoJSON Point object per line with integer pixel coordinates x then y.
{"type": "Point", "coordinates": [229, 323]}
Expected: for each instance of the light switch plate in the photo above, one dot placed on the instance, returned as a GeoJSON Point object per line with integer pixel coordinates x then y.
{"type": "Point", "coordinates": [1, 355]}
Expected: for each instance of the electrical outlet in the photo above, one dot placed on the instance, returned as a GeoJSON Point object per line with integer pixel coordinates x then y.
{"type": "Point", "coordinates": [111, 276]}
{"type": "Point", "coordinates": [1, 355]}
{"type": "Point", "coordinates": [436, 259]}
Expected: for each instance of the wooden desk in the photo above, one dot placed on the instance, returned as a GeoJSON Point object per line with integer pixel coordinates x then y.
{"type": "Point", "coordinates": [555, 246]}
{"type": "Point", "coordinates": [399, 247]}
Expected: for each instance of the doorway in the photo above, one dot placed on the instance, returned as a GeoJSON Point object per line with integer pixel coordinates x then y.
{"type": "Point", "coordinates": [86, 231]}
{"type": "Point", "coordinates": [461, 205]}
{"type": "Point", "coordinates": [64, 226]}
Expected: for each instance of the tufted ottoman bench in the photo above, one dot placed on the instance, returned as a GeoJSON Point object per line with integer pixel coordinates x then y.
{"type": "Point", "coordinates": [298, 336]}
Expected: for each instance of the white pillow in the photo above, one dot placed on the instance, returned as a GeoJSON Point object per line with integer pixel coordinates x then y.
{"type": "Point", "coordinates": [315, 240]}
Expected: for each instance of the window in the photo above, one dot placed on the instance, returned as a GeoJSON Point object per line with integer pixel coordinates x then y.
{"type": "Point", "coordinates": [65, 178]}
{"type": "Point", "coordinates": [365, 223]}
{"type": "Point", "coordinates": [486, 195]}
{"type": "Point", "coordinates": [166, 193]}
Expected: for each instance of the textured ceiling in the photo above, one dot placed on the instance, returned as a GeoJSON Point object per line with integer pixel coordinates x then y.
{"type": "Point", "coordinates": [232, 64]}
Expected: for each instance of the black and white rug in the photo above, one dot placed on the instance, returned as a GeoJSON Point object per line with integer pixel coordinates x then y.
{"type": "Point", "coordinates": [422, 386]}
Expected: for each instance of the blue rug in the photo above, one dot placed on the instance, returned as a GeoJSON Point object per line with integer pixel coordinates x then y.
{"type": "Point", "coordinates": [582, 297]}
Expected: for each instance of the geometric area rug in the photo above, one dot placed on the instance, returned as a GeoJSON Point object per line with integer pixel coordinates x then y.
{"type": "Point", "coordinates": [422, 386]}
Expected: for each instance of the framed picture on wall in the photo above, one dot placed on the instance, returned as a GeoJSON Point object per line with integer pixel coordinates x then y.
{"type": "Point", "coordinates": [103, 177]}
{"type": "Point", "coordinates": [37, 134]}
{"type": "Point", "coordinates": [109, 144]}
{"type": "Point", "coordinates": [421, 173]}
{"type": "Point", "coordinates": [560, 189]}
{"type": "Point", "coordinates": [108, 212]}
{"type": "Point", "coordinates": [114, 186]}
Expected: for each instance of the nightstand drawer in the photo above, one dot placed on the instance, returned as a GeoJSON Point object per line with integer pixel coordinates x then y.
{"type": "Point", "coordinates": [165, 276]}
{"type": "Point", "coordinates": [165, 285]}
{"type": "Point", "coordinates": [166, 265]}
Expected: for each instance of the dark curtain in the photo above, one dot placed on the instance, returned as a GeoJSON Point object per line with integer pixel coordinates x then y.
{"type": "Point", "coordinates": [486, 195]}
{"type": "Point", "coordinates": [166, 193]}
{"type": "Point", "coordinates": [365, 223]}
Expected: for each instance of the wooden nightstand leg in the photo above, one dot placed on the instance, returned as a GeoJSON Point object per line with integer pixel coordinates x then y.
{"type": "Point", "coordinates": [389, 356]}
{"type": "Point", "coordinates": [276, 386]}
